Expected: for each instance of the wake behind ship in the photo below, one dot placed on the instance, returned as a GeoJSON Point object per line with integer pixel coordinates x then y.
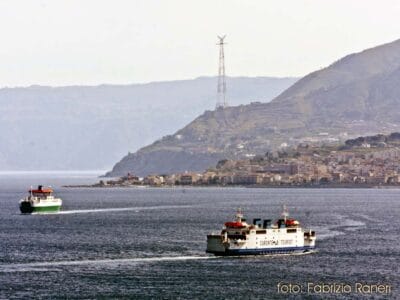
{"type": "Point", "coordinates": [40, 200]}
{"type": "Point", "coordinates": [239, 238]}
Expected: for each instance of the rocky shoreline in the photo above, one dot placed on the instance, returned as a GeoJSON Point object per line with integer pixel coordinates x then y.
{"type": "Point", "coordinates": [282, 186]}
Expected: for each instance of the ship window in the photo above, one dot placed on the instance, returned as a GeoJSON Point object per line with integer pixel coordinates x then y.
{"type": "Point", "coordinates": [261, 232]}
{"type": "Point", "coordinates": [291, 230]}
{"type": "Point", "coordinates": [237, 236]}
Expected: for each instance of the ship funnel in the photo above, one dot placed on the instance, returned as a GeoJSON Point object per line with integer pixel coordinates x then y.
{"type": "Point", "coordinates": [257, 222]}
{"type": "Point", "coordinates": [267, 223]}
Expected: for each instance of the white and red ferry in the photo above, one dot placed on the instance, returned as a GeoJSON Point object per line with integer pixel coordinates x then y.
{"type": "Point", "coordinates": [263, 237]}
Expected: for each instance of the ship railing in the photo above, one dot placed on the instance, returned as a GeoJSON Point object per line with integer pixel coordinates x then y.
{"type": "Point", "coordinates": [215, 233]}
{"type": "Point", "coordinates": [309, 233]}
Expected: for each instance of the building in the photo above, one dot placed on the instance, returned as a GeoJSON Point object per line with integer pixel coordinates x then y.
{"type": "Point", "coordinates": [247, 179]}
{"type": "Point", "coordinates": [154, 180]}
{"type": "Point", "coordinates": [189, 178]}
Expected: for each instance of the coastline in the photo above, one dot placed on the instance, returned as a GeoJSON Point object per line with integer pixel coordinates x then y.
{"type": "Point", "coordinates": [282, 186]}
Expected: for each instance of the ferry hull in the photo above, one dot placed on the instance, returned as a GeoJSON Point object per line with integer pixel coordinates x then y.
{"type": "Point", "coordinates": [27, 208]}
{"type": "Point", "coordinates": [262, 251]}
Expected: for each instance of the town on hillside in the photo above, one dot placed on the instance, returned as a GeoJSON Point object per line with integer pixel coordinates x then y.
{"type": "Point", "coordinates": [365, 161]}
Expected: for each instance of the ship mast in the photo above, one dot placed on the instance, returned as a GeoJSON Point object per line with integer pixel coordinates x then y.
{"type": "Point", "coordinates": [285, 212]}
{"type": "Point", "coordinates": [239, 215]}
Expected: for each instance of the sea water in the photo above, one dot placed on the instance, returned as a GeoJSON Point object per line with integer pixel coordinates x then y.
{"type": "Point", "coordinates": [150, 243]}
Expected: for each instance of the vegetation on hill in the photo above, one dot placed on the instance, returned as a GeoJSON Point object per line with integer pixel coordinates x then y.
{"type": "Point", "coordinates": [355, 96]}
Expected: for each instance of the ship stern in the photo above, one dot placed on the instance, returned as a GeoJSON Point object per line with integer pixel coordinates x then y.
{"type": "Point", "coordinates": [309, 240]}
{"type": "Point", "coordinates": [25, 207]}
{"type": "Point", "coordinates": [215, 244]}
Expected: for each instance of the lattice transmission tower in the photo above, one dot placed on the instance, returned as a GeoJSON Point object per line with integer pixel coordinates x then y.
{"type": "Point", "coordinates": [221, 91]}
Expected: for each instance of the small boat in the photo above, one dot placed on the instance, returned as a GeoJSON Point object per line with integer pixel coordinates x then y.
{"type": "Point", "coordinates": [40, 200]}
{"type": "Point", "coordinates": [285, 236]}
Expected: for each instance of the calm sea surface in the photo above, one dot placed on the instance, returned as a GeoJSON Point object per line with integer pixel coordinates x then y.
{"type": "Point", "coordinates": [149, 243]}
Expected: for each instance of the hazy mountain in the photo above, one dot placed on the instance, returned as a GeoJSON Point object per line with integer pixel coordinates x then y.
{"type": "Point", "coordinates": [91, 127]}
{"type": "Point", "coordinates": [357, 95]}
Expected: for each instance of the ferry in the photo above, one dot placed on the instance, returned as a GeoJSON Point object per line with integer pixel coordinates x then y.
{"type": "Point", "coordinates": [262, 237]}
{"type": "Point", "coordinates": [40, 200]}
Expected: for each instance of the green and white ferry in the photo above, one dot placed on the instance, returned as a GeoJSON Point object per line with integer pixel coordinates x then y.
{"type": "Point", "coordinates": [40, 200]}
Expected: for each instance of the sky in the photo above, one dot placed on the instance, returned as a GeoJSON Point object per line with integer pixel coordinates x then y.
{"type": "Point", "coordinates": [85, 42]}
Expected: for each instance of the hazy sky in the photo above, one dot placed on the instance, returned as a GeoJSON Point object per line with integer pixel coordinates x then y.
{"type": "Point", "coordinates": [64, 42]}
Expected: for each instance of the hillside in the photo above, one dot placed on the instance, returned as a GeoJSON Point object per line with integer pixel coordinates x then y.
{"type": "Point", "coordinates": [357, 95]}
{"type": "Point", "coordinates": [90, 127]}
